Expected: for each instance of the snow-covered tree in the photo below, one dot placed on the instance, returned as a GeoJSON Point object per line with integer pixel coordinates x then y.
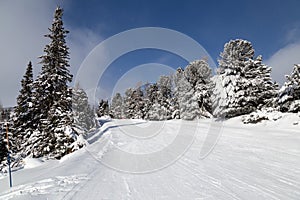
{"type": "Point", "coordinates": [289, 94]}
{"type": "Point", "coordinates": [103, 108]}
{"type": "Point", "coordinates": [160, 95]}
{"type": "Point", "coordinates": [188, 103]}
{"type": "Point", "coordinates": [230, 97]}
{"type": "Point", "coordinates": [150, 98]}
{"type": "Point", "coordinates": [53, 102]}
{"type": "Point", "coordinates": [193, 90]}
{"type": "Point", "coordinates": [6, 129]}
{"type": "Point", "coordinates": [116, 108]}
{"type": "Point", "coordinates": [198, 74]}
{"type": "Point", "coordinates": [23, 113]}
{"type": "Point", "coordinates": [262, 89]}
{"type": "Point", "coordinates": [3, 147]}
{"type": "Point", "coordinates": [83, 115]}
{"type": "Point", "coordinates": [134, 105]}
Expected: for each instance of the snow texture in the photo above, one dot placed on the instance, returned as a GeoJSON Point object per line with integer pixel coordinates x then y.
{"type": "Point", "coordinates": [253, 161]}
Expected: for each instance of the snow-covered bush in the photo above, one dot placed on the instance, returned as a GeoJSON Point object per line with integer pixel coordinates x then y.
{"type": "Point", "coordinates": [260, 115]}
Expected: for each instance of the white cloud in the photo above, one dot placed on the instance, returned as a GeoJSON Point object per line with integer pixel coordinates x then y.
{"type": "Point", "coordinates": [283, 60]}
{"type": "Point", "coordinates": [23, 25]}
{"type": "Point", "coordinates": [81, 42]}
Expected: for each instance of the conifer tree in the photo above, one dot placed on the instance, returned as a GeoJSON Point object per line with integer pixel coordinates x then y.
{"type": "Point", "coordinates": [103, 108]}
{"type": "Point", "coordinates": [3, 148]}
{"type": "Point", "coordinates": [289, 94]}
{"type": "Point", "coordinates": [243, 83]}
{"type": "Point", "coordinates": [23, 113]}
{"type": "Point", "coordinates": [53, 111]}
{"type": "Point", "coordinates": [198, 74]}
{"type": "Point", "coordinates": [134, 104]}
{"type": "Point", "coordinates": [160, 95]}
{"type": "Point", "coordinates": [116, 108]}
{"type": "Point", "coordinates": [188, 103]}
{"type": "Point", "coordinates": [84, 117]}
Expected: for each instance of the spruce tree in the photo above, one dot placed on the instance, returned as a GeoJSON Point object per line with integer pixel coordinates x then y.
{"type": "Point", "coordinates": [160, 95]}
{"type": "Point", "coordinates": [116, 108]}
{"type": "Point", "coordinates": [262, 89]}
{"type": "Point", "coordinates": [84, 118]}
{"type": "Point", "coordinates": [150, 98]}
{"type": "Point", "coordinates": [230, 93]}
{"type": "Point", "coordinates": [243, 84]}
{"type": "Point", "coordinates": [198, 74]}
{"type": "Point", "coordinates": [103, 108]}
{"type": "Point", "coordinates": [52, 96]}
{"type": "Point", "coordinates": [187, 101]}
{"type": "Point", "coordinates": [134, 104]}
{"type": "Point", "coordinates": [3, 147]}
{"type": "Point", "coordinates": [23, 113]}
{"type": "Point", "coordinates": [289, 94]}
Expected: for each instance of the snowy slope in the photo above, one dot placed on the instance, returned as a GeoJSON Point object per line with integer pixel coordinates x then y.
{"type": "Point", "coordinates": [248, 162]}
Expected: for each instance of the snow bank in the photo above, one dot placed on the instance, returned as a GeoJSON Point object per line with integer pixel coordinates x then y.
{"type": "Point", "coordinates": [32, 162]}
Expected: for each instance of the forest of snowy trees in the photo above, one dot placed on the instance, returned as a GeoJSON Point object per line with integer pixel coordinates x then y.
{"type": "Point", "coordinates": [51, 119]}
{"type": "Point", "coordinates": [242, 85]}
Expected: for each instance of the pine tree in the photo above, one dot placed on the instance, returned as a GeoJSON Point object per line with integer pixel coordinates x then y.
{"type": "Point", "coordinates": [289, 94]}
{"type": "Point", "coordinates": [116, 108]}
{"type": "Point", "coordinates": [84, 117]}
{"type": "Point", "coordinates": [231, 96]}
{"type": "Point", "coordinates": [150, 98]}
{"type": "Point", "coordinates": [53, 111]}
{"type": "Point", "coordinates": [3, 148]}
{"type": "Point", "coordinates": [188, 103]}
{"type": "Point", "coordinates": [262, 89]}
{"type": "Point", "coordinates": [160, 95]}
{"type": "Point", "coordinates": [243, 84]}
{"type": "Point", "coordinates": [103, 108]}
{"type": "Point", "coordinates": [198, 74]}
{"type": "Point", "coordinates": [23, 112]}
{"type": "Point", "coordinates": [129, 105]}
{"type": "Point", "coordinates": [134, 104]}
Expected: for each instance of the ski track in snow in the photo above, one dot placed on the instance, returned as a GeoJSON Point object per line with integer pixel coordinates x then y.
{"type": "Point", "coordinates": [248, 162]}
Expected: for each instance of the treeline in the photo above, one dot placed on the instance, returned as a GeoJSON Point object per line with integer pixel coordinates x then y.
{"type": "Point", "coordinates": [242, 84]}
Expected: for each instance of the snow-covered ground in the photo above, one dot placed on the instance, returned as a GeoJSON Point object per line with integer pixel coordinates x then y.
{"type": "Point", "coordinates": [135, 159]}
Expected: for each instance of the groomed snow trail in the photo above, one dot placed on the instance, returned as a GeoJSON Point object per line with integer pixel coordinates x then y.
{"type": "Point", "coordinates": [249, 162]}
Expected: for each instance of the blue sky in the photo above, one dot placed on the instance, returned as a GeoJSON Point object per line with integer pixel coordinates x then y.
{"type": "Point", "coordinates": [267, 24]}
{"type": "Point", "coordinates": [272, 26]}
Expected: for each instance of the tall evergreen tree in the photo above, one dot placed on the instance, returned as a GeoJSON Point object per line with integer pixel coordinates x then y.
{"type": "Point", "coordinates": [84, 117]}
{"type": "Point", "coordinates": [230, 97]}
{"type": "Point", "coordinates": [187, 101]}
{"type": "Point", "coordinates": [52, 97]}
{"type": "Point", "coordinates": [150, 98]}
{"type": "Point", "coordinates": [23, 113]}
{"type": "Point", "coordinates": [243, 83]}
{"type": "Point", "coordinates": [198, 74]}
{"type": "Point", "coordinates": [289, 94]}
{"type": "Point", "coordinates": [160, 98]}
{"type": "Point", "coordinates": [3, 147]}
{"type": "Point", "coordinates": [116, 108]}
{"type": "Point", "coordinates": [134, 104]}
